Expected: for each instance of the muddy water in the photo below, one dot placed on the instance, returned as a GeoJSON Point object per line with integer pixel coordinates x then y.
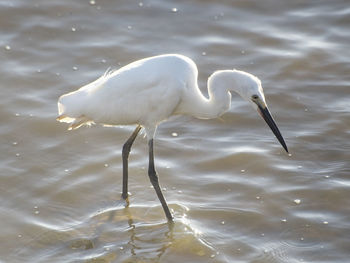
{"type": "Point", "coordinates": [236, 196]}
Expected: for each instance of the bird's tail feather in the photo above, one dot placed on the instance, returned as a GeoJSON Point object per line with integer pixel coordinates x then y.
{"type": "Point", "coordinates": [75, 123]}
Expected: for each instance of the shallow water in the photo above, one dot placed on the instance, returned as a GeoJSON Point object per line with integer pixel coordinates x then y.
{"type": "Point", "coordinates": [236, 196]}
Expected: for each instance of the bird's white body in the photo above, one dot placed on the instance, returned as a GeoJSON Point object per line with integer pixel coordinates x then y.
{"type": "Point", "coordinates": [150, 90]}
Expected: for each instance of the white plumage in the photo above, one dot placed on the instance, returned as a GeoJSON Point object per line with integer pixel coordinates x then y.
{"type": "Point", "coordinates": [144, 92]}
{"type": "Point", "coordinates": [148, 91]}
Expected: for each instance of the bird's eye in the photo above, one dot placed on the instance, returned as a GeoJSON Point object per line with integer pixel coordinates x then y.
{"type": "Point", "coordinates": [255, 97]}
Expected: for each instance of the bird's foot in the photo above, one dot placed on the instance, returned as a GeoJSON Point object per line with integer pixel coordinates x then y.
{"type": "Point", "coordinates": [126, 198]}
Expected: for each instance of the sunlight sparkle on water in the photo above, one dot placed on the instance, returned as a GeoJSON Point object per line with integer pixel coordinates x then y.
{"type": "Point", "coordinates": [246, 149]}
{"type": "Point", "coordinates": [297, 201]}
{"type": "Point", "coordinates": [188, 227]}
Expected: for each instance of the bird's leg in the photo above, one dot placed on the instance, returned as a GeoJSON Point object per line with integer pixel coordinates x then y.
{"type": "Point", "coordinates": [155, 182]}
{"type": "Point", "coordinates": [125, 154]}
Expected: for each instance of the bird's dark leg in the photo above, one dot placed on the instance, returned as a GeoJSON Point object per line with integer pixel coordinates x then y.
{"type": "Point", "coordinates": [155, 182]}
{"type": "Point", "coordinates": [126, 150]}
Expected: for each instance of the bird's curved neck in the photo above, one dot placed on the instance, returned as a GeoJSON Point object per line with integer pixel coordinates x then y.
{"type": "Point", "coordinates": [220, 84]}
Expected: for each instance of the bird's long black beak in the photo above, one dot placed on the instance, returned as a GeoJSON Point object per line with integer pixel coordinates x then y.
{"type": "Point", "coordinates": [265, 113]}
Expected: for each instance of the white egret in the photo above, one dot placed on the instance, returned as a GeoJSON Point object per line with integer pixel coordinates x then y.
{"type": "Point", "coordinates": [148, 91]}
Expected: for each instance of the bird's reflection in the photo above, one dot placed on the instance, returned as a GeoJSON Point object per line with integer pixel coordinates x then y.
{"type": "Point", "coordinates": [125, 233]}
{"type": "Point", "coordinates": [166, 238]}
{"type": "Point", "coordinates": [141, 239]}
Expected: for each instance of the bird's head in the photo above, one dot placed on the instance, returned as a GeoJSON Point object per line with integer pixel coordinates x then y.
{"type": "Point", "coordinates": [250, 89]}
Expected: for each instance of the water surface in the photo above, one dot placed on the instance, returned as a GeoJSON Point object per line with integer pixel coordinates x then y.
{"type": "Point", "coordinates": [236, 195]}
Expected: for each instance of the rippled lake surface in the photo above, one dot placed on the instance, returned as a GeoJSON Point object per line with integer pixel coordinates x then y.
{"type": "Point", "coordinates": [235, 194]}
